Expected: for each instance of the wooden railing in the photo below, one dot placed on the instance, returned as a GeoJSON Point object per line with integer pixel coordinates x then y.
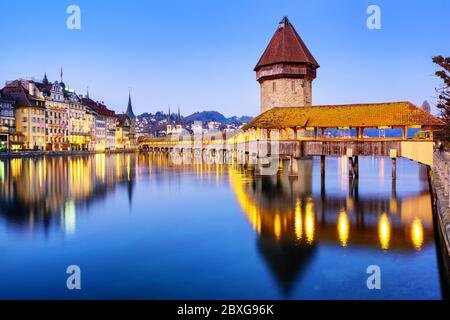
{"type": "Point", "coordinates": [442, 168]}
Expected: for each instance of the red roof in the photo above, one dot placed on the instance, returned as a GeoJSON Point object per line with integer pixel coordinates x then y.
{"type": "Point", "coordinates": [98, 107]}
{"type": "Point", "coordinates": [286, 46]}
{"type": "Point", "coordinates": [17, 91]}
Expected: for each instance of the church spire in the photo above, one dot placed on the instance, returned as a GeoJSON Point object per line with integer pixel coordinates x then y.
{"type": "Point", "coordinates": [169, 119]}
{"type": "Point", "coordinates": [45, 80]}
{"type": "Point", "coordinates": [130, 112]}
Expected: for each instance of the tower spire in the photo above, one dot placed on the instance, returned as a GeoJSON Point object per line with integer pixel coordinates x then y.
{"type": "Point", "coordinates": [169, 120]}
{"type": "Point", "coordinates": [130, 112]}
{"type": "Point", "coordinates": [45, 80]}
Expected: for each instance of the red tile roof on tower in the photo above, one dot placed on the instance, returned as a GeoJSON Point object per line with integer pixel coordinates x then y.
{"type": "Point", "coordinates": [286, 46]}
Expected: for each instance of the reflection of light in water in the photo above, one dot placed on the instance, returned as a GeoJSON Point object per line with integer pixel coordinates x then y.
{"type": "Point", "coordinates": [16, 167]}
{"type": "Point", "coordinates": [393, 205]}
{"type": "Point", "coordinates": [118, 166]}
{"type": "Point", "coordinates": [277, 226]}
{"type": "Point", "coordinates": [343, 228]}
{"type": "Point", "coordinates": [30, 171]}
{"type": "Point", "coordinates": [298, 221]}
{"type": "Point", "coordinates": [384, 231]}
{"type": "Point", "coordinates": [343, 171]}
{"type": "Point", "coordinates": [309, 223]}
{"type": "Point", "coordinates": [2, 171]}
{"type": "Point", "coordinates": [246, 203]}
{"type": "Point", "coordinates": [417, 234]}
{"type": "Point", "coordinates": [40, 174]}
{"type": "Point", "coordinates": [381, 172]}
{"type": "Point", "coordinates": [129, 167]}
{"type": "Point", "coordinates": [69, 217]}
{"type": "Point", "coordinates": [100, 166]}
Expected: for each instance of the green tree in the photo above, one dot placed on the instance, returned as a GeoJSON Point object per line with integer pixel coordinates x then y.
{"type": "Point", "coordinates": [444, 96]}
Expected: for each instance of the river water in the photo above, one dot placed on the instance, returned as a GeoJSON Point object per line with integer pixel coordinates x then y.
{"type": "Point", "coordinates": [141, 227]}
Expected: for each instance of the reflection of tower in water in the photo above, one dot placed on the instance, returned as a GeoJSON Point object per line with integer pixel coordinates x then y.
{"type": "Point", "coordinates": [291, 221]}
{"type": "Point", "coordinates": [284, 221]}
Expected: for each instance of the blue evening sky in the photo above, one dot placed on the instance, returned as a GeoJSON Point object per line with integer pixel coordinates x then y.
{"type": "Point", "coordinates": [200, 54]}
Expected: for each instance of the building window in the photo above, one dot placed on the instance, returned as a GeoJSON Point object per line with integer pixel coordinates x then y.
{"type": "Point", "coordinates": [293, 85]}
{"type": "Point", "coordinates": [274, 86]}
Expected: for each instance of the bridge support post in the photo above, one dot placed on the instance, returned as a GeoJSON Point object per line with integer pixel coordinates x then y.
{"type": "Point", "coordinates": [393, 154]}
{"type": "Point", "coordinates": [293, 167]}
{"type": "Point", "coordinates": [322, 175]}
{"type": "Point", "coordinates": [351, 169]}
{"type": "Point", "coordinates": [280, 165]}
{"type": "Point", "coordinates": [322, 167]}
{"type": "Point", "coordinates": [394, 168]}
{"type": "Point", "coordinates": [258, 167]}
{"type": "Point", "coordinates": [356, 167]}
{"type": "Point", "coordinates": [252, 160]}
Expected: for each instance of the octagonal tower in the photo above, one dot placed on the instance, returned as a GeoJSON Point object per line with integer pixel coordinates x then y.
{"type": "Point", "coordinates": [286, 70]}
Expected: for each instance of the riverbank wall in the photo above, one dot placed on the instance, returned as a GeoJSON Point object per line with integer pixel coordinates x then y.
{"type": "Point", "coordinates": [39, 154]}
{"type": "Point", "coordinates": [441, 190]}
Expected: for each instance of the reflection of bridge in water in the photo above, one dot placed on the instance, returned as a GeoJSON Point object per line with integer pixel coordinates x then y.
{"type": "Point", "coordinates": [290, 219]}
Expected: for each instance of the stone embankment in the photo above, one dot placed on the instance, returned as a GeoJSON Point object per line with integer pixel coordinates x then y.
{"type": "Point", "coordinates": [441, 186]}
{"type": "Point", "coordinates": [37, 154]}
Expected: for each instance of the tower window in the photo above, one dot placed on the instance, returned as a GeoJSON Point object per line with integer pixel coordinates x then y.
{"type": "Point", "coordinates": [274, 86]}
{"type": "Point", "coordinates": [293, 85]}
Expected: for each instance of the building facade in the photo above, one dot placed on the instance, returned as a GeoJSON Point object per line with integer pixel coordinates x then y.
{"type": "Point", "coordinates": [105, 125]}
{"type": "Point", "coordinates": [286, 70]}
{"type": "Point", "coordinates": [29, 111]}
{"type": "Point", "coordinates": [39, 115]}
{"type": "Point", "coordinates": [7, 122]}
{"type": "Point", "coordinates": [57, 114]}
{"type": "Point", "coordinates": [79, 130]}
{"type": "Point", "coordinates": [123, 126]}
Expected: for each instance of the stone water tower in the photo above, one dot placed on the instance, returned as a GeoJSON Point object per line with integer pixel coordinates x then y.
{"type": "Point", "coordinates": [286, 70]}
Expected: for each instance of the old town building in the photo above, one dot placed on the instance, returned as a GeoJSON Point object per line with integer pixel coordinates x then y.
{"type": "Point", "coordinates": [123, 126]}
{"type": "Point", "coordinates": [10, 139]}
{"type": "Point", "coordinates": [40, 115]}
{"type": "Point", "coordinates": [105, 121]}
{"type": "Point", "coordinates": [29, 112]}
{"type": "Point", "coordinates": [57, 114]}
{"type": "Point", "coordinates": [79, 129]}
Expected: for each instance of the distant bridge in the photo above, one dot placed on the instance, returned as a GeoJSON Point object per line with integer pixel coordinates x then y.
{"type": "Point", "coordinates": [296, 133]}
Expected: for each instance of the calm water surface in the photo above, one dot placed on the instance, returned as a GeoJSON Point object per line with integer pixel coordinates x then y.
{"type": "Point", "coordinates": [140, 227]}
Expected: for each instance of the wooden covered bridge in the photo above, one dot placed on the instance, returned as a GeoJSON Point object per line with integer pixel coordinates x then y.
{"type": "Point", "coordinates": [297, 132]}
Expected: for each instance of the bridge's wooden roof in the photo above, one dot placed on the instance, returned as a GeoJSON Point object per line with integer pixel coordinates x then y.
{"type": "Point", "coordinates": [394, 114]}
